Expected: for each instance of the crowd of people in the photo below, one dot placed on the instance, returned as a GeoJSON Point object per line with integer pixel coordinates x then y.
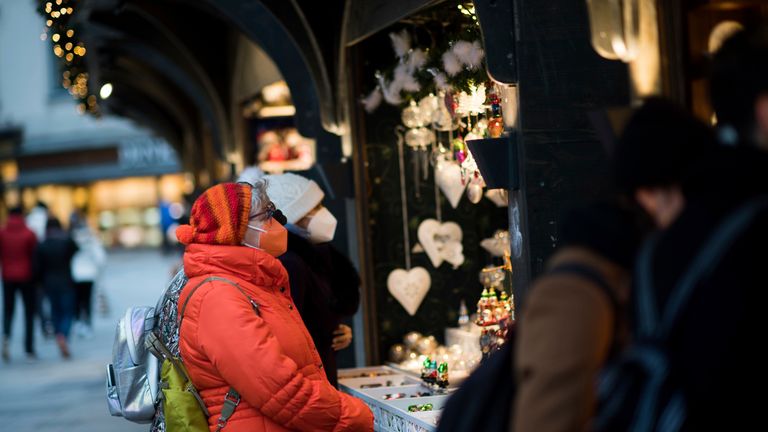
{"type": "Point", "coordinates": [53, 270]}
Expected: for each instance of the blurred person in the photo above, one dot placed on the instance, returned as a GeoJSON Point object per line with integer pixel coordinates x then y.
{"type": "Point", "coordinates": [36, 221]}
{"type": "Point", "coordinates": [739, 88]}
{"type": "Point", "coordinates": [17, 252]}
{"type": "Point", "coordinates": [711, 343]}
{"type": "Point", "coordinates": [250, 336]}
{"type": "Point", "coordinates": [54, 266]}
{"type": "Point", "coordinates": [324, 284]}
{"type": "Point", "coordinates": [86, 267]}
{"type": "Point", "coordinates": [575, 318]}
{"type": "Point", "coordinates": [659, 149]}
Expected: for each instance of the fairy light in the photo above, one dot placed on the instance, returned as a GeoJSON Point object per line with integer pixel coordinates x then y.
{"type": "Point", "coordinates": [57, 15]}
{"type": "Point", "coordinates": [468, 10]}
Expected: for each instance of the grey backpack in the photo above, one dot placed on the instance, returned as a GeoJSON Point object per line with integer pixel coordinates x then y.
{"type": "Point", "coordinates": [133, 377]}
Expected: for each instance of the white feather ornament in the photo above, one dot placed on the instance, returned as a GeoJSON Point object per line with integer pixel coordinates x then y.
{"type": "Point", "coordinates": [401, 43]}
{"type": "Point", "coordinates": [475, 57]}
{"type": "Point", "coordinates": [416, 60]}
{"type": "Point", "coordinates": [372, 101]}
{"type": "Point", "coordinates": [405, 80]}
{"type": "Point", "coordinates": [391, 91]}
{"type": "Point", "coordinates": [462, 50]}
{"type": "Point", "coordinates": [441, 81]}
{"type": "Point", "coordinates": [451, 63]}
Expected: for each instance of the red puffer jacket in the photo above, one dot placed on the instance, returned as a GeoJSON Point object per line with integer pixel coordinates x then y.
{"type": "Point", "coordinates": [17, 250]}
{"type": "Point", "coordinates": [269, 359]}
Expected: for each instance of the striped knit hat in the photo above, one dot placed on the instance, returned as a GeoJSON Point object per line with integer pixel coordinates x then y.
{"type": "Point", "coordinates": [219, 216]}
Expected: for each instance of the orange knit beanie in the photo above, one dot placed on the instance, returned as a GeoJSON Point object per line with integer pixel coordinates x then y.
{"type": "Point", "coordinates": [219, 216]}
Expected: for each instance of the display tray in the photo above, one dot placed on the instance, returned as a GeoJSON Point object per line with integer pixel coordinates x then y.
{"type": "Point", "coordinates": [392, 415]}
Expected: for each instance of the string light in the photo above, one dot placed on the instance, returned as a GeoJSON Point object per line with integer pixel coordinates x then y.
{"type": "Point", "coordinates": [57, 15]}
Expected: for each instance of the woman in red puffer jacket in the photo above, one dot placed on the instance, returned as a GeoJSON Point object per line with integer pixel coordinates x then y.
{"type": "Point", "coordinates": [269, 357]}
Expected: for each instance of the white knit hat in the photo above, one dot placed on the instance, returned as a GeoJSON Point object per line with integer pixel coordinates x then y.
{"type": "Point", "coordinates": [251, 175]}
{"type": "Point", "coordinates": [293, 194]}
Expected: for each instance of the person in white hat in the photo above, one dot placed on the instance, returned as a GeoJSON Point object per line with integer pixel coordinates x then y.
{"type": "Point", "coordinates": [324, 284]}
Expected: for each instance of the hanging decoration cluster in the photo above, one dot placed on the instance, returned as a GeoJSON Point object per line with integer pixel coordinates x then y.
{"type": "Point", "coordinates": [68, 47]}
{"type": "Point", "coordinates": [447, 100]}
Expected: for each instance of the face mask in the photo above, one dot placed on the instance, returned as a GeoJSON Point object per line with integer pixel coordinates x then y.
{"type": "Point", "coordinates": [322, 226]}
{"type": "Point", "coordinates": [272, 238]}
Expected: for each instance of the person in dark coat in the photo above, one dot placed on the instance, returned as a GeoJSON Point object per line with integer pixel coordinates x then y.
{"type": "Point", "coordinates": [54, 259]}
{"type": "Point", "coordinates": [714, 343]}
{"type": "Point", "coordinates": [17, 250]}
{"type": "Point", "coordinates": [325, 288]}
{"type": "Point", "coordinates": [324, 284]}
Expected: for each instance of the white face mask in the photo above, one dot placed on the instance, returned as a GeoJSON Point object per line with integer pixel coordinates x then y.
{"type": "Point", "coordinates": [322, 226]}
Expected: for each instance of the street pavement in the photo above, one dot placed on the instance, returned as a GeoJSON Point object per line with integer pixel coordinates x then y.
{"type": "Point", "coordinates": [52, 394]}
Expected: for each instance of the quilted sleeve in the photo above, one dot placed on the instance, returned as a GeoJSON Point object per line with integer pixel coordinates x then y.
{"type": "Point", "coordinates": [246, 354]}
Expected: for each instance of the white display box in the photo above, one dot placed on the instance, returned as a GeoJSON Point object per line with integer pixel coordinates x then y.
{"type": "Point", "coordinates": [393, 415]}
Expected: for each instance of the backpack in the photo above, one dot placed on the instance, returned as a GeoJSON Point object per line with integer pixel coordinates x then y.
{"type": "Point", "coordinates": [483, 401]}
{"type": "Point", "coordinates": [132, 377]}
{"type": "Point", "coordinates": [639, 392]}
{"type": "Point", "coordinates": [165, 397]}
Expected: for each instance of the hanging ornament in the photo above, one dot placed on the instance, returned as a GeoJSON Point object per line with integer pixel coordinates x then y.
{"type": "Point", "coordinates": [408, 286]}
{"type": "Point", "coordinates": [441, 242]}
{"type": "Point", "coordinates": [448, 179]}
{"type": "Point", "coordinates": [498, 245]}
{"type": "Point", "coordinates": [496, 123]}
{"type": "Point", "coordinates": [443, 121]}
{"type": "Point", "coordinates": [474, 192]}
{"type": "Point", "coordinates": [472, 102]}
{"type": "Point", "coordinates": [429, 106]}
{"type": "Point", "coordinates": [458, 148]}
{"type": "Point", "coordinates": [500, 197]}
{"type": "Point", "coordinates": [412, 117]}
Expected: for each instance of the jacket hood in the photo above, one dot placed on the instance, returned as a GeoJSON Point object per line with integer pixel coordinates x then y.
{"type": "Point", "coordinates": [252, 265]}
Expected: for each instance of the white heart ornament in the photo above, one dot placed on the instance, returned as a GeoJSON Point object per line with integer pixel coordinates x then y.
{"type": "Point", "coordinates": [448, 179]}
{"type": "Point", "coordinates": [441, 242]}
{"type": "Point", "coordinates": [500, 197]}
{"type": "Point", "coordinates": [498, 245]}
{"type": "Point", "coordinates": [409, 287]}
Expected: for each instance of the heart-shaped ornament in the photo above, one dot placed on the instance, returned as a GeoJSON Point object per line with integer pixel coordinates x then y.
{"type": "Point", "coordinates": [409, 287]}
{"type": "Point", "coordinates": [500, 197]}
{"type": "Point", "coordinates": [448, 179]}
{"type": "Point", "coordinates": [498, 245]}
{"type": "Point", "coordinates": [441, 242]}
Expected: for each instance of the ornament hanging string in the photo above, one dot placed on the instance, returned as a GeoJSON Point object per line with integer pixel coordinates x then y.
{"type": "Point", "coordinates": [403, 198]}
{"type": "Point", "coordinates": [436, 147]}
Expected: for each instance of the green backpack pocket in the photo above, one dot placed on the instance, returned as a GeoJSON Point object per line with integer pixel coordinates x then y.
{"type": "Point", "coordinates": [183, 408]}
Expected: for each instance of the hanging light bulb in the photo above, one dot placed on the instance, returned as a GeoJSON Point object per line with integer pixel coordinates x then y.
{"type": "Point", "coordinates": [105, 91]}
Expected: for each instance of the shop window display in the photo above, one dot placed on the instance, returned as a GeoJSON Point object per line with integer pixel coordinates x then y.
{"type": "Point", "coordinates": [439, 235]}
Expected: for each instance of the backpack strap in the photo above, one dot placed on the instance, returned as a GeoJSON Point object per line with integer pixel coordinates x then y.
{"type": "Point", "coordinates": [701, 266]}
{"type": "Point", "coordinates": [232, 398]}
{"type": "Point", "coordinates": [586, 272]}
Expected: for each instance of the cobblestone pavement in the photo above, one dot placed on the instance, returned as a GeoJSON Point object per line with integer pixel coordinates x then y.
{"type": "Point", "coordinates": [55, 395]}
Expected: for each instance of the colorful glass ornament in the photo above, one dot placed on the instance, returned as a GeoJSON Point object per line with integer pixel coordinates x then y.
{"type": "Point", "coordinates": [496, 122]}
